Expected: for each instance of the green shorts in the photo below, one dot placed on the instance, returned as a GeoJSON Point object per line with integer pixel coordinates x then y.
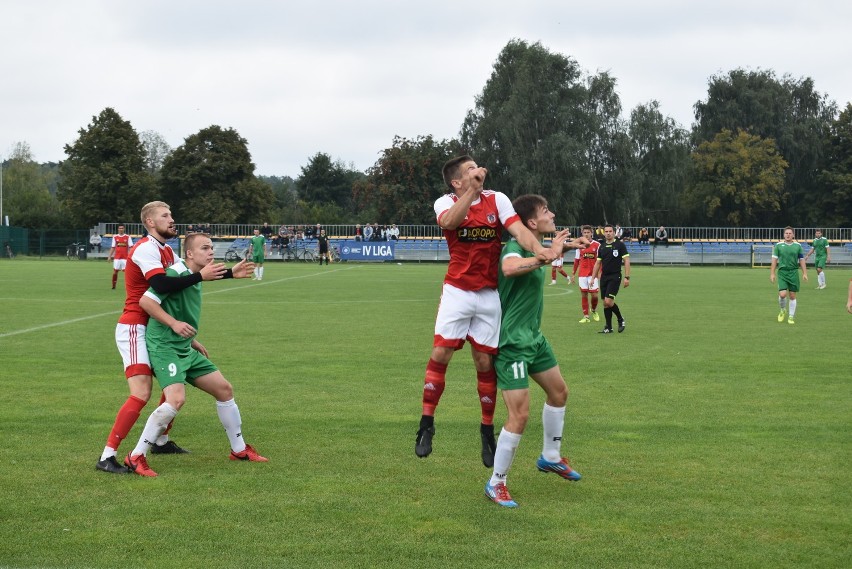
{"type": "Point", "coordinates": [819, 262]}
{"type": "Point", "coordinates": [514, 366]}
{"type": "Point", "coordinates": [788, 280]}
{"type": "Point", "coordinates": [172, 367]}
{"type": "Point", "coordinates": [257, 258]}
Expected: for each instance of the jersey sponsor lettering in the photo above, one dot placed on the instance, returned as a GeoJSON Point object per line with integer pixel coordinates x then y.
{"type": "Point", "coordinates": [122, 244]}
{"type": "Point", "coordinates": [587, 258]}
{"type": "Point", "coordinates": [477, 234]}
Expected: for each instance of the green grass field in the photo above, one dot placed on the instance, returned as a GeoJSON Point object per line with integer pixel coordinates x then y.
{"type": "Point", "coordinates": [708, 434]}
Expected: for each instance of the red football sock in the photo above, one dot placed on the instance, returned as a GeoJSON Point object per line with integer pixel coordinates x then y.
{"type": "Point", "coordinates": [433, 386]}
{"type": "Point", "coordinates": [124, 421]}
{"type": "Point", "coordinates": [486, 385]}
{"type": "Point", "coordinates": [553, 274]}
{"type": "Point", "coordinates": [595, 302]}
{"type": "Point", "coordinates": [114, 278]}
{"type": "Point", "coordinates": [561, 272]}
{"type": "Point", "coordinates": [585, 302]}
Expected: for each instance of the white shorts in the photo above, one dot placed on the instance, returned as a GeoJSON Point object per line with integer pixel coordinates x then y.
{"type": "Point", "coordinates": [119, 264]}
{"type": "Point", "coordinates": [468, 315]}
{"type": "Point", "coordinates": [558, 262]}
{"type": "Point", "coordinates": [130, 339]}
{"type": "Point", "coordinates": [588, 284]}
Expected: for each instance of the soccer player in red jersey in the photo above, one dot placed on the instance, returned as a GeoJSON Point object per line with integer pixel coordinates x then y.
{"type": "Point", "coordinates": [146, 267]}
{"type": "Point", "coordinates": [584, 261]}
{"type": "Point", "coordinates": [121, 244]}
{"type": "Point", "coordinates": [472, 220]}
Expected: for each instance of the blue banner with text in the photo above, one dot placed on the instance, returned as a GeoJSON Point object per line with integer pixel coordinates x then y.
{"type": "Point", "coordinates": [367, 250]}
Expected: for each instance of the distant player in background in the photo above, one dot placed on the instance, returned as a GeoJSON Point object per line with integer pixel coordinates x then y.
{"type": "Point", "coordinates": [148, 260]}
{"type": "Point", "coordinates": [787, 258]}
{"type": "Point", "coordinates": [257, 247]}
{"type": "Point", "coordinates": [322, 243]}
{"type": "Point", "coordinates": [584, 262]}
{"type": "Point", "coordinates": [121, 244]}
{"type": "Point", "coordinates": [612, 254]}
{"type": "Point", "coordinates": [556, 265]}
{"type": "Point", "coordinates": [472, 220]}
{"type": "Point", "coordinates": [177, 358]}
{"type": "Point", "coordinates": [821, 251]}
{"type": "Point", "coordinates": [525, 352]}
{"type": "Point", "coordinates": [849, 298]}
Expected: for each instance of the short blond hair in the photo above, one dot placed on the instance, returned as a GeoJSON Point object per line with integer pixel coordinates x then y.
{"type": "Point", "coordinates": [149, 207]}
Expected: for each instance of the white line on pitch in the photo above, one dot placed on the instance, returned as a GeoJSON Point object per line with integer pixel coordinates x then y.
{"type": "Point", "coordinates": [64, 322]}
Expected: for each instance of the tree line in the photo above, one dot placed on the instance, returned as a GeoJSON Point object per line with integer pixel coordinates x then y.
{"type": "Point", "coordinates": [764, 150]}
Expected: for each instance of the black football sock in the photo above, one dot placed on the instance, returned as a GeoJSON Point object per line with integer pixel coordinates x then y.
{"type": "Point", "coordinates": [608, 316]}
{"type": "Point", "coordinates": [617, 313]}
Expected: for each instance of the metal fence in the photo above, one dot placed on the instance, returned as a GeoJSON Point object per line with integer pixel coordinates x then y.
{"type": "Point", "coordinates": [675, 234]}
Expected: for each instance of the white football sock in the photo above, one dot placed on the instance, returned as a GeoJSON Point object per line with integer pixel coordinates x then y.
{"type": "Point", "coordinates": [792, 311]}
{"type": "Point", "coordinates": [821, 278]}
{"type": "Point", "coordinates": [553, 420]}
{"type": "Point", "coordinates": [229, 415]}
{"type": "Point", "coordinates": [154, 427]}
{"type": "Point", "coordinates": [108, 452]}
{"type": "Point", "coordinates": [507, 445]}
{"type": "Point", "coordinates": [782, 302]}
{"type": "Point", "coordinates": [261, 272]}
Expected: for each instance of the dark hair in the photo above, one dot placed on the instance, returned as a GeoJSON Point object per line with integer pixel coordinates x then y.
{"type": "Point", "coordinates": [450, 171]}
{"type": "Point", "coordinates": [585, 227]}
{"type": "Point", "coordinates": [527, 206]}
{"type": "Point", "coordinates": [608, 225]}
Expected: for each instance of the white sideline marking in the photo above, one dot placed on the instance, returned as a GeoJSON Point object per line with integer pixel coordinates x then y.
{"type": "Point", "coordinates": [114, 312]}
{"type": "Point", "coordinates": [63, 323]}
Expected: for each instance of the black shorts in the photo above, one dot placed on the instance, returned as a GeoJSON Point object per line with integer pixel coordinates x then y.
{"type": "Point", "coordinates": [610, 285]}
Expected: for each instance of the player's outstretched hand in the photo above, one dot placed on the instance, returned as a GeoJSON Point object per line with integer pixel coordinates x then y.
{"type": "Point", "coordinates": [183, 329]}
{"type": "Point", "coordinates": [243, 269]}
{"type": "Point", "coordinates": [213, 272]}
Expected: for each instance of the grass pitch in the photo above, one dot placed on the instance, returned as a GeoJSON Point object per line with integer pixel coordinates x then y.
{"type": "Point", "coordinates": [708, 434]}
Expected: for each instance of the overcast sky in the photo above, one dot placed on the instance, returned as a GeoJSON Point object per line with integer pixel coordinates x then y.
{"type": "Point", "coordinates": [344, 77]}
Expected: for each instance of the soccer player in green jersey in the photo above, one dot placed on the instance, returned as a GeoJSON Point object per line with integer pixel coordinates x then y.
{"type": "Point", "coordinates": [787, 258]}
{"type": "Point", "coordinates": [821, 251]}
{"type": "Point", "coordinates": [524, 352]}
{"type": "Point", "coordinates": [178, 358]}
{"type": "Point", "coordinates": [257, 246]}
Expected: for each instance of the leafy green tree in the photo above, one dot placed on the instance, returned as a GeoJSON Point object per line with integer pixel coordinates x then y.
{"type": "Point", "coordinates": [210, 178]}
{"type": "Point", "coordinates": [530, 128]}
{"type": "Point", "coordinates": [789, 111]}
{"type": "Point", "coordinates": [836, 177]}
{"type": "Point", "coordinates": [404, 183]}
{"type": "Point", "coordinates": [610, 163]}
{"type": "Point", "coordinates": [738, 179]}
{"type": "Point", "coordinates": [662, 163]}
{"type": "Point", "coordinates": [104, 177]}
{"type": "Point", "coordinates": [328, 182]}
{"type": "Point", "coordinates": [156, 150]}
{"type": "Point", "coordinates": [26, 196]}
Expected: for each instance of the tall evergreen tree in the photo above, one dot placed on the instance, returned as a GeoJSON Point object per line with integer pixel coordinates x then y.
{"type": "Point", "coordinates": [104, 177]}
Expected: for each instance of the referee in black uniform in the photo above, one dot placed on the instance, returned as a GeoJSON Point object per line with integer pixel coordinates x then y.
{"type": "Point", "coordinates": [611, 255]}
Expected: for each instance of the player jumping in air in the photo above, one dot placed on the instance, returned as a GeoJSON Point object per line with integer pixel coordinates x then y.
{"type": "Point", "coordinates": [472, 220]}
